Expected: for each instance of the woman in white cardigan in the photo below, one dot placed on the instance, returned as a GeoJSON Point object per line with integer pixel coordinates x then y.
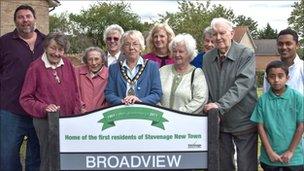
{"type": "Point", "coordinates": [184, 87]}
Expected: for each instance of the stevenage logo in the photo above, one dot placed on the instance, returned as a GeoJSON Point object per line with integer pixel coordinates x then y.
{"type": "Point", "coordinates": [133, 113]}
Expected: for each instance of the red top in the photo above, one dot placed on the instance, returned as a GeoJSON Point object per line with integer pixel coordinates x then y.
{"type": "Point", "coordinates": [161, 61]}
{"type": "Point", "coordinates": [41, 88]}
{"type": "Point", "coordinates": [92, 89]}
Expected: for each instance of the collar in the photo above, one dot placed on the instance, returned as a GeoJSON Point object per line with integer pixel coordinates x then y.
{"type": "Point", "coordinates": [84, 70]}
{"type": "Point", "coordinates": [116, 56]}
{"type": "Point", "coordinates": [140, 62]}
{"type": "Point", "coordinates": [296, 61]}
{"type": "Point", "coordinates": [47, 64]}
{"type": "Point", "coordinates": [285, 94]}
{"type": "Point", "coordinates": [229, 54]}
{"type": "Point", "coordinates": [16, 35]}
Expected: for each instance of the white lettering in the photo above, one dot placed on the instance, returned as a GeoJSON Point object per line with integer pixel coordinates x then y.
{"type": "Point", "coordinates": [90, 162]}
{"type": "Point", "coordinates": [124, 161]}
{"type": "Point", "coordinates": [160, 159]}
{"type": "Point", "coordinates": [146, 163]}
{"type": "Point", "coordinates": [101, 160]}
{"type": "Point", "coordinates": [133, 165]}
{"type": "Point", "coordinates": [116, 162]}
{"type": "Point", "coordinates": [173, 159]}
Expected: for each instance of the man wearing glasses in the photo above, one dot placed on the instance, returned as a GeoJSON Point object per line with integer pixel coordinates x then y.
{"type": "Point", "coordinates": [111, 37]}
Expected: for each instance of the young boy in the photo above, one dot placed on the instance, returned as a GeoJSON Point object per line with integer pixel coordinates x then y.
{"type": "Point", "coordinates": [279, 114]}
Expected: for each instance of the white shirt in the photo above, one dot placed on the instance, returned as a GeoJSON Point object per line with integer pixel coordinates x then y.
{"type": "Point", "coordinates": [112, 59]}
{"type": "Point", "coordinates": [296, 76]}
{"type": "Point", "coordinates": [47, 63]}
{"type": "Point", "coordinates": [132, 73]}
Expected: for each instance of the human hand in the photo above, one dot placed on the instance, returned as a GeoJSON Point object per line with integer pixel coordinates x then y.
{"type": "Point", "coordinates": [210, 106]}
{"type": "Point", "coordinates": [52, 108]}
{"type": "Point", "coordinates": [286, 156]}
{"type": "Point", "coordinates": [274, 157]}
{"type": "Point", "coordinates": [131, 99]}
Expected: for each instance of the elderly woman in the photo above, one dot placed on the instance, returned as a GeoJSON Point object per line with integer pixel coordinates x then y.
{"type": "Point", "coordinates": [178, 78]}
{"type": "Point", "coordinates": [92, 79]}
{"type": "Point", "coordinates": [158, 42]}
{"type": "Point", "coordinates": [134, 79]}
{"type": "Point", "coordinates": [50, 86]}
{"type": "Point", "coordinates": [111, 37]}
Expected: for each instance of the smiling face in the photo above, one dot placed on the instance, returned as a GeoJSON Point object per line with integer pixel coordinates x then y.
{"type": "Point", "coordinates": [287, 47]}
{"type": "Point", "coordinates": [54, 52]}
{"type": "Point", "coordinates": [180, 54]}
{"type": "Point", "coordinates": [277, 79]}
{"type": "Point", "coordinates": [222, 37]}
{"type": "Point", "coordinates": [113, 42]}
{"type": "Point", "coordinates": [25, 21]}
{"type": "Point", "coordinates": [208, 42]}
{"type": "Point", "coordinates": [160, 39]}
{"type": "Point", "coordinates": [94, 61]}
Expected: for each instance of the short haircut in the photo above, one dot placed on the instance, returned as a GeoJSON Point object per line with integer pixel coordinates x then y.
{"type": "Point", "coordinates": [291, 32]}
{"type": "Point", "coordinates": [134, 34]}
{"type": "Point", "coordinates": [207, 31]}
{"type": "Point", "coordinates": [112, 28]}
{"type": "Point", "coordinates": [24, 7]}
{"type": "Point", "coordinates": [60, 38]}
{"type": "Point", "coordinates": [187, 40]}
{"type": "Point", "coordinates": [156, 28]}
{"type": "Point", "coordinates": [90, 49]}
{"type": "Point", "coordinates": [277, 64]}
{"type": "Point", "coordinates": [222, 21]}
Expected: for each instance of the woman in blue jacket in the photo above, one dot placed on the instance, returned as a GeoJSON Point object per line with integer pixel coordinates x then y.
{"type": "Point", "coordinates": [134, 79]}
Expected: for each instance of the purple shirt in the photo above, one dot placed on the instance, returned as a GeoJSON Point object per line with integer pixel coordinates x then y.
{"type": "Point", "coordinates": [15, 58]}
{"type": "Point", "coordinates": [161, 61]}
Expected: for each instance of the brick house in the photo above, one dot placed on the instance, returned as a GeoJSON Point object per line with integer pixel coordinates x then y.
{"type": "Point", "coordinates": [7, 8]}
{"type": "Point", "coordinates": [265, 49]}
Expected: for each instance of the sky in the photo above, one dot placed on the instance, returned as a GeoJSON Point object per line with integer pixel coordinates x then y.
{"type": "Point", "coordinates": [275, 13]}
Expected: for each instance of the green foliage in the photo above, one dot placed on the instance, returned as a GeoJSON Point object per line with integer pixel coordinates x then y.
{"type": "Point", "coordinates": [296, 21]}
{"type": "Point", "coordinates": [260, 78]}
{"type": "Point", "coordinates": [242, 20]}
{"type": "Point", "coordinates": [268, 33]}
{"type": "Point", "coordinates": [193, 18]}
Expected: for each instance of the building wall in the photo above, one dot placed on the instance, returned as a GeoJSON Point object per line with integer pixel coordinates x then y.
{"type": "Point", "coordinates": [263, 60]}
{"type": "Point", "coordinates": [7, 9]}
{"type": "Point", "coordinates": [247, 42]}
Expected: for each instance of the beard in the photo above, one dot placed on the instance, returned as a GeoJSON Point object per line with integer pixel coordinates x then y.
{"type": "Point", "coordinates": [26, 29]}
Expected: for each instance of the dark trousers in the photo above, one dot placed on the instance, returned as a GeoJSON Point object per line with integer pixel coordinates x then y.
{"type": "Point", "coordinates": [246, 149]}
{"type": "Point", "coordinates": [13, 128]}
{"type": "Point", "coordinates": [282, 168]}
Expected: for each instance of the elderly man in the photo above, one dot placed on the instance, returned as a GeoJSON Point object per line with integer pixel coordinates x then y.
{"type": "Point", "coordinates": [288, 44]}
{"type": "Point", "coordinates": [111, 37]}
{"type": "Point", "coordinates": [18, 49]}
{"type": "Point", "coordinates": [207, 45]}
{"type": "Point", "coordinates": [230, 74]}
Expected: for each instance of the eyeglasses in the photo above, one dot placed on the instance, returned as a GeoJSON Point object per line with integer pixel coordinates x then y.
{"type": "Point", "coordinates": [112, 38]}
{"type": "Point", "coordinates": [56, 77]}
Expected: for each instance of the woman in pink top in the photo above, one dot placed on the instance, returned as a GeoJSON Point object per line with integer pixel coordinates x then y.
{"type": "Point", "coordinates": [158, 42]}
{"type": "Point", "coordinates": [50, 86]}
{"type": "Point", "coordinates": [92, 79]}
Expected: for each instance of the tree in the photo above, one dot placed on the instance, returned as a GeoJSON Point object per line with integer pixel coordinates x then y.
{"type": "Point", "coordinates": [296, 21]}
{"type": "Point", "coordinates": [93, 21]}
{"type": "Point", "coordinates": [268, 33]}
{"type": "Point", "coordinates": [242, 20]}
{"type": "Point", "coordinates": [193, 17]}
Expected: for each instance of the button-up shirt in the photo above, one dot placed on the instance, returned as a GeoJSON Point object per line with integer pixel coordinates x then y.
{"type": "Point", "coordinates": [112, 59]}
{"type": "Point", "coordinates": [15, 58]}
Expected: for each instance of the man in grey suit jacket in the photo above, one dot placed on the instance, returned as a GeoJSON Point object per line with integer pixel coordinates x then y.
{"type": "Point", "coordinates": [111, 37]}
{"type": "Point", "coordinates": [230, 73]}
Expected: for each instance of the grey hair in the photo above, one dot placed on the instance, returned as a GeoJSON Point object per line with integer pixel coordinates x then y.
{"type": "Point", "coordinates": [134, 34]}
{"type": "Point", "coordinates": [156, 27]}
{"type": "Point", "coordinates": [222, 21]}
{"type": "Point", "coordinates": [60, 38]}
{"type": "Point", "coordinates": [188, 41]}
{"type": "Point", "coordinates": [93, 48]}
{"type": "Point", "coordinates": [207, 31]}
{"type": "Point", "coordinates": [112, 28]}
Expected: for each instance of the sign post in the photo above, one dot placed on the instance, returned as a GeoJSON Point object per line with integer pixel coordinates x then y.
{"type": "Point", "coordinates": [134, 137]}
